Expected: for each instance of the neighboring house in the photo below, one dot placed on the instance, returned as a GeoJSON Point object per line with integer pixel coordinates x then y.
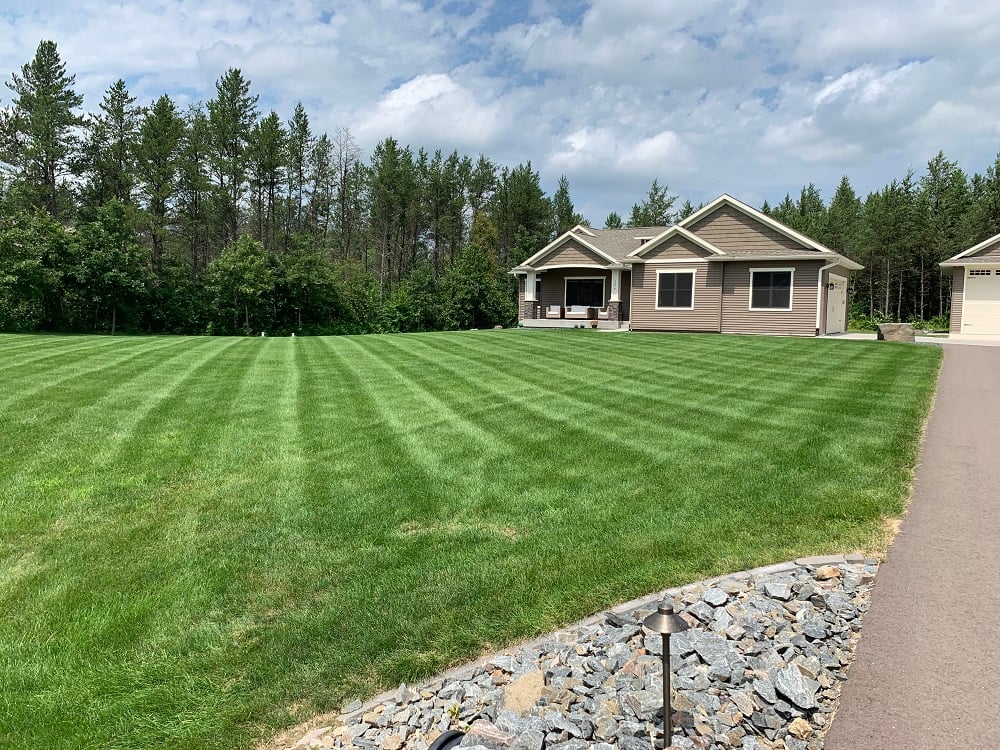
{"type": "Point", "coordinates": [975, 289]}
{"type": "Point", "coordinates": [727, 268]}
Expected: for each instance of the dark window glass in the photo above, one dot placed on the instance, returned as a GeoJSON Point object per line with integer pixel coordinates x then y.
{"type": "Point", "coordinates": [586, 292]}
{"type": "Point", "coordinates": [771, 289]}
{"type": "Point", "coordinates": [674, 289]}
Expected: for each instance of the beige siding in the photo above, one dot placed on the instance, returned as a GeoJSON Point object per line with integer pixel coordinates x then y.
{"type": "Point", "coordinates": [990, 251]}
{"type": "Point", "coordinates": [957, 295]}
{"type": "Point", "coordinates": [707, 295]}
{"type": "Point", "coordinates": [571, 254]}
{"type": "Point", "coordinates": [733, 231]}
{"type": "Point", "coordinates": [737, 317]}
{"type": "Point", "coordinates": [675, 247]}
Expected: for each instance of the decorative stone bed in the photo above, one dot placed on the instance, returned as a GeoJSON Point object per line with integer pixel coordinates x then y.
{"type": "Point", "coordinates": [760, 669]}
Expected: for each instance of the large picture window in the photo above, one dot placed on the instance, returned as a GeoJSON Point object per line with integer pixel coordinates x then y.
{"type": "Point", "coordinates": [675, 289]}
{"type": "Point", "coordinates": [771, 290]}
{"type": "Point", "coordinates": [586, 292]}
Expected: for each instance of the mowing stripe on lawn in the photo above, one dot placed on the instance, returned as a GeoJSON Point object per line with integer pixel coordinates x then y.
{"type": "Point", "coordinates": [210, 539]}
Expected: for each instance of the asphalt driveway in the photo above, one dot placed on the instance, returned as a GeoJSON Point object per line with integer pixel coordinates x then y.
{"type": "Point", "coordinates": [927, 673]}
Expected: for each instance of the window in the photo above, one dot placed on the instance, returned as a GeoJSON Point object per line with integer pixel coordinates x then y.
{"type": "Point", "coordinates": [771, 290]}
{"type": "Point", "coordinates": [675, 289]}
{"type": "Point", "coordinates": [979, 272]}
{"type": "Point", "coordinates": [588, 292]}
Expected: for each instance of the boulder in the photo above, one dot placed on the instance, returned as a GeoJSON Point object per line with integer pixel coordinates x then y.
{"type": "Point", "coordinates": [895, 332]}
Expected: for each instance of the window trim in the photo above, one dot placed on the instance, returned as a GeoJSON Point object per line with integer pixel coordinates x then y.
{"type": "Point", "coordinates": [791, 289]}
{"type": "Point", "coordinates": [604, 287]}
{"type": "Point", "coordinates": [656, 300]}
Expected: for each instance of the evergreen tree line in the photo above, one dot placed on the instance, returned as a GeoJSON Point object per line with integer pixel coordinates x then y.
{"type": "Point", "coordinates": [900, 233]}
{"type": "Point", "coordinates": [219, 218]}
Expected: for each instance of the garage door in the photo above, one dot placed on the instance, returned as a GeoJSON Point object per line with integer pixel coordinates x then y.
{"type": "Point", "coordinates": [981, 306]}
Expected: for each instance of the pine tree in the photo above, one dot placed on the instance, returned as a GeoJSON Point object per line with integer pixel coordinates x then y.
{"type": "Point", "coordinates": [655, 209]}
{"type": "Point", "coordinates": [110, 148]}
{"type": "Point", "coordinates": [38, 133]}
{"type": "Point", "coordinates": [564, 216]}
{"type": "Point", "coordinates": [157, 159]}
{"type": "Point", "coordinates": [231, 115]}
{"type": "Point", "coordinates": [614, 221]}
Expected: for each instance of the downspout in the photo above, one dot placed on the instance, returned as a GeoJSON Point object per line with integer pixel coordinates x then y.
{"type": "Point", "coordinates": [819, 292]}
{"type": "Point", "coordinates": [722, 294]}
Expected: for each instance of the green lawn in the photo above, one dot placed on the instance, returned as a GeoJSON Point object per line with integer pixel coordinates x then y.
{"type": "Point", "coordinates": [203, 540]}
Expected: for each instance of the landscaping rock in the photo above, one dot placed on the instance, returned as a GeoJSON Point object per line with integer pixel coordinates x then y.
{"type": "Point", "coordinates": [895, 332]}
{"type": "Point", "coordinates": [524, 692]}
{"type": "Point", "coordinates": [760, 669]}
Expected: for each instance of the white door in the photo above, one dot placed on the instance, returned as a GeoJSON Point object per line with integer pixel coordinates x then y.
{"type": "Point", "coordinates": [981, 306]}
{"type": "Point", "coordinates": [836, 304]}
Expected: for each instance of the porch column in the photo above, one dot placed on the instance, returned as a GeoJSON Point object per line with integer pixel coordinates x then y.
{"type": "Point", "coordinates": [615, 300]}
{"type": "Point", "coordinates": [530, 296]}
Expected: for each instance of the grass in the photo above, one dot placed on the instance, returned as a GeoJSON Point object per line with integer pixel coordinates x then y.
{"type": "Point", "coordinates": [203, 540]}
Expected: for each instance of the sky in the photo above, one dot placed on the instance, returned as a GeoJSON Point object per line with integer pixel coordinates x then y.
{"type": "Point", "coordinates": [750, 98]}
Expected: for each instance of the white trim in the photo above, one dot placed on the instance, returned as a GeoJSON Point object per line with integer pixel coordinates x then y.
{"type": "Point", "coordinates": [567, 279]}
{"type": "Point", "coordinates": [819, 293]}
{"type": "Point", "coordinates": [656, 300]}
{"type": "Point", "coordinates": [616, 285]}
{"type": "Point", "coordinates": [529, 286]}
{"type": "Point", "coordinates": [583, 230]}
{"type": "Point", "coordinates": [572, 265]}
{"type": "Point", "coordinates": [558, 242]}
{"type": "Point", "coordinates": [671, 232]}
{"type": "Point", "coordinates": [673, 261]}
{"type": "Point", "coordinates": [791, 290]}
{"type": "Point", "coordinates": [974, 249]}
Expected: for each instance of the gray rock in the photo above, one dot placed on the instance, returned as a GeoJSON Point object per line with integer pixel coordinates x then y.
{"type": "Point", "coordinates": [715, 596]}
{"type": "Point", "coordinates": [791, 683]}
{"type": "Point", "coordinates": [529, 740]}
{"type": "Point", "coordinates": [765, 689]}
{"type": "Point", "coordinates": [711, 647]}
{"type": "Point", "coordinates": [704, 612]}
{"type": "Point", "coordinates": [778, 589]}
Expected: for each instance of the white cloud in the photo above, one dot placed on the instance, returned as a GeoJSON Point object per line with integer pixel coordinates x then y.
{"type": "Point", "coordinates": [431, 109]}
{"type": "Point", "coordinates": [706, 95]}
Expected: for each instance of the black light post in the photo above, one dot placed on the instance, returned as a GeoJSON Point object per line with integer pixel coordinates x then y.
{"type": "Point", "coordinates": [665, 621]}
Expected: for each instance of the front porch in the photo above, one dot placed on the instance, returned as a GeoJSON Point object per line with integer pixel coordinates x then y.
{"type": "Point", "coordinates": [602, 325]}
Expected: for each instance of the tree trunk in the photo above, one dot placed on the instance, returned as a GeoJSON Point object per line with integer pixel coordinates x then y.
{"type": "Point", "coordinates": [114, 318]}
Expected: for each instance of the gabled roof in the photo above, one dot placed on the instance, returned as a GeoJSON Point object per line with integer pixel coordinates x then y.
{"type": "Point", "coordinates": [777, 226]}
{"type": "Point", "coordinates": [573, 234]}
{"type": "Point", "coordinates": [965, 257]}
{"type": "Point", "coordinates": [618, 246]}
{"type": "Point", "coordinates": [674, 231]}
{"type": "Point", "coordinates": [611, 244]}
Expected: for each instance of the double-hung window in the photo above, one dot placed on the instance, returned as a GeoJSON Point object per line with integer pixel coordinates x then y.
{"type": "Point", "coordinates": [771, 289]}
{"type": "Point", "coordinates": [675, 290]}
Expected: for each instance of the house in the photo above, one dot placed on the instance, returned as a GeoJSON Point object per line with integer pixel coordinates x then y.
{"type": "Point", "coordinates": [975, 289]}
{"type": "Point", "coordinates": [727, 268]}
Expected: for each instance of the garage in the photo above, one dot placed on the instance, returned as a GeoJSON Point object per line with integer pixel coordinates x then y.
{"type": "Point", "coordinates": [981, 306]}
{"type": "Point", "coordinates": [975, 289]}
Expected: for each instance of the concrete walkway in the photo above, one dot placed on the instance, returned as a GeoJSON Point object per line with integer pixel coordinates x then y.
{"type": "Point", "coordinates": [927, 673]}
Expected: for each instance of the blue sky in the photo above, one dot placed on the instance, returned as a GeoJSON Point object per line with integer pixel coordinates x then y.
{"type": "Point", "coordinates": [709, 96]}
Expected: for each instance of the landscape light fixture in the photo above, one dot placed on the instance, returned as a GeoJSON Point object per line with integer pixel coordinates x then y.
{"type": "Point", "coordinates": [666, 621]}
